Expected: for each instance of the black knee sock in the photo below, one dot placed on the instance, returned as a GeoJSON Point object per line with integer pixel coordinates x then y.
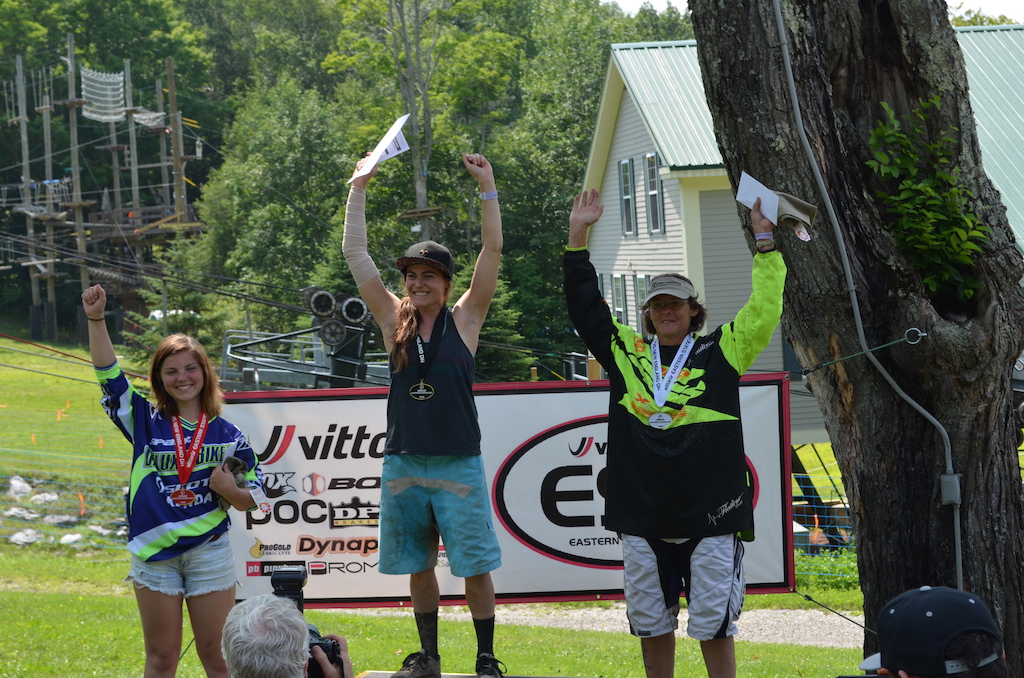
{"type": "Point", "coordinates": [484, 635]}
{"type": "Point", "coordinates": [426, 625]}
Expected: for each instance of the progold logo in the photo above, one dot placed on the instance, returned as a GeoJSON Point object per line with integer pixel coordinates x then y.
{"type": "Point", "coordinates": [259, 549]}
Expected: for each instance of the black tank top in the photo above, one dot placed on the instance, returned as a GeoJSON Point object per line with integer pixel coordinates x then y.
{"type": "Point", "coordinates": [445, 423]}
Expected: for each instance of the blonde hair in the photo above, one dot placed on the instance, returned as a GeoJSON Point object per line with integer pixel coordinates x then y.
{"type": "Point", "coordinates": [211, 398]}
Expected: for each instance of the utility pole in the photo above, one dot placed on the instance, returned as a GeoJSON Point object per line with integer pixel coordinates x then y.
{"type": "Point", "coordinates": [50, 308]}
{"type": "Point", "coordinates": [176, 147]}
{"type": "Point", "coordinates": [133, 158]}
{"type": "Point", "coordinates": [35, 312]}
{"type": "Point", "coordinates": [165, 180]}
{"type": "Point", "coordinates": [73, 103]}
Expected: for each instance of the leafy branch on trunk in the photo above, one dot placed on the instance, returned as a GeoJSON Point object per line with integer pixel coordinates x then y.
{"type": "Point", "coordinates": [932, 223]}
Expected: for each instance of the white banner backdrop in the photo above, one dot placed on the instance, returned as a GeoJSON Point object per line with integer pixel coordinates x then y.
{"type": "Point", "coordinates": [543, 446]}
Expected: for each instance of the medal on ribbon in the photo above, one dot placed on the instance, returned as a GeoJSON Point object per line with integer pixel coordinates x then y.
{"type": "Point", "coordinates": [423, 390]}
{"type": "Point", "coordinates": [661, 385]}
{"type": "Point", "coordinates": [185, 458]}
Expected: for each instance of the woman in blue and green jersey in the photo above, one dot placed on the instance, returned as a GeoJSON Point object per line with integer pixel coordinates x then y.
{"type": "Point", "coordinates": [179, 490]}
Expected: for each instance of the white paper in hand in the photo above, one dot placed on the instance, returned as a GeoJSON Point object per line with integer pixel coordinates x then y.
{"type": "Point", "coordinates": [750, 189]}
{"type": "Point", "coordinates": [390, 145]}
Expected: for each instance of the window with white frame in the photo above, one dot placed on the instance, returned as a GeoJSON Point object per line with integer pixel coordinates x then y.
{"type": "Point", "coordinates": [626, 201]}
{"type": "Point", "coordinates": [655, 195]}
{"type": "Point", "coordinates": [640, 287]}
{"type": "Point", "coordinates": [619, 299]}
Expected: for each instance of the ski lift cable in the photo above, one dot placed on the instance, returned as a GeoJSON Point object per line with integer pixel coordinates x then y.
{"type": "Point", "coordinates": [153, 270]}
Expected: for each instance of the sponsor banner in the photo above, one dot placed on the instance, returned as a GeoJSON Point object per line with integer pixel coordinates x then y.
{"type": "Point", "coordinates": [544, 447]}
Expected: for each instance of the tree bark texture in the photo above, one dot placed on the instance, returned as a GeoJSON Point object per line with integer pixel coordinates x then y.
{"type": "Point", "coordinates": [848, 57]}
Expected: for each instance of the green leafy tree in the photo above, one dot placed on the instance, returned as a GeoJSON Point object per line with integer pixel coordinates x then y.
{"type": "Point", "coordinates": [253, 42]}
{"type": "Point", "coordinates": [671, 24]}
{"type": "Point", "coordinates": [191, 308]}
{"type": "Point", "coordinates": [21, 31]}
{"type": "Point", "coordinates": [543, 157]}
{"type": "Point", "coordinates": [404, 38]}
{"type": "Point", "coordinates": [268, 208]}
{"type": "Point", "coordinates": [495, 359]}
{"type": "Point", "coordinates": [145, 31]}
{"type": "Point", "coordinates": [958, 16]}
{"type": "Point", "coordinates": [932, 223]}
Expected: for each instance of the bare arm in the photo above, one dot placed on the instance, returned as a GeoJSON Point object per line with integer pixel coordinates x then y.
{"type": "Point", "coordinates": [471, 310]}
{"type": "Point", "coordinates": [382, 303]}
{"type": "Point", "coordinates": [94, 301]}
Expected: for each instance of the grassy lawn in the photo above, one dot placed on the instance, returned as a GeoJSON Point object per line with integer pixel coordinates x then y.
{"type": "Point", "coordinates": [60, 596]}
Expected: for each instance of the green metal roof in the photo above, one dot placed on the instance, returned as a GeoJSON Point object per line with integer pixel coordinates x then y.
{"type": "Point", "coordinates": [995, 72]}
{"type": "Point", "coordinates": [665, 82]}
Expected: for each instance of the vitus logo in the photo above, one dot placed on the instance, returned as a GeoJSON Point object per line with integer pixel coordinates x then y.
{"type": "Point", "coordinates": [570, 496]}
{"type": "Point", "coordinates": [280, 439]}
{"type": "Point", "coordinates": [585, 445]}
{"type": "Point", "coordinates": [333, 444]}
{"type": "Point", "coordinates": [277, 484]}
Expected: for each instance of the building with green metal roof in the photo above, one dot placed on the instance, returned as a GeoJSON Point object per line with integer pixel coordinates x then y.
{"type": "Point", "coordinates": [654, 153]}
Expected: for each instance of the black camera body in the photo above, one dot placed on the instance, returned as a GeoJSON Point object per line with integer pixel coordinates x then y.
{"type": "Point", "coordinates": [288, 582]}
{"type": "Point", "coordinates": [330, 648]}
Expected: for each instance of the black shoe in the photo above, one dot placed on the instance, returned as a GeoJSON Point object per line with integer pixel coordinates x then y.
{"type": "Point", "coordinates": [487, 666]}
{"type": "Point", "coordinates": [419, 665]}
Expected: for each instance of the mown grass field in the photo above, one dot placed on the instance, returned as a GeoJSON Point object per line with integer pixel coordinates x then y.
{"type": "Point", "coordinates": [66, 613]}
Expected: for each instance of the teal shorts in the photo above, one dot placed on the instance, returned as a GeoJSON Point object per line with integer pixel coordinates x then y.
{"type": "Point", "coordinates": [425, 496]}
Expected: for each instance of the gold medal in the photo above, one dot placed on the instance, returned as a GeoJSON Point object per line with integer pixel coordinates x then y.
{"type": "Point", "coordinates": [421, 391]}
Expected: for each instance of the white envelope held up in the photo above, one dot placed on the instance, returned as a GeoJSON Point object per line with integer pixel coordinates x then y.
{"type": "Point", "coordinates": [390, 145]}
{"type": "Point", "coordinates": [750, 189]}
{"type": "Point", "coordinates": [779, 208]}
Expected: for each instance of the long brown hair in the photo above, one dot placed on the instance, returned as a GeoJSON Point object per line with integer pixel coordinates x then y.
{"type": "Point", "coordinates": [211, 398]}
{"type": "Point", "coordinates": [407, 323]}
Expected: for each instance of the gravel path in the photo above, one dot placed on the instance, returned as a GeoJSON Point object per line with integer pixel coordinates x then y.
{"type": "Point", "coordinates": [791, 627]}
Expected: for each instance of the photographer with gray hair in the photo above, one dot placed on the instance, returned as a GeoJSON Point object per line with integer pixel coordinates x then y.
{"type": "Point", "coordinates": [266, 636]}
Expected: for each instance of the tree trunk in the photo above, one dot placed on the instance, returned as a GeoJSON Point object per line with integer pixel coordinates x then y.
{"type": "Point", "coordinates": [413, 25]}
{"type": "Point", "coordinates": [847, 58]}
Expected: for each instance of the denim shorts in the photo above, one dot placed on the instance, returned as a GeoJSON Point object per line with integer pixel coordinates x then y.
{"type": "Point", "coordinates": [423, 496]}
{"type": "Point", "coordinates": [201, 570]}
